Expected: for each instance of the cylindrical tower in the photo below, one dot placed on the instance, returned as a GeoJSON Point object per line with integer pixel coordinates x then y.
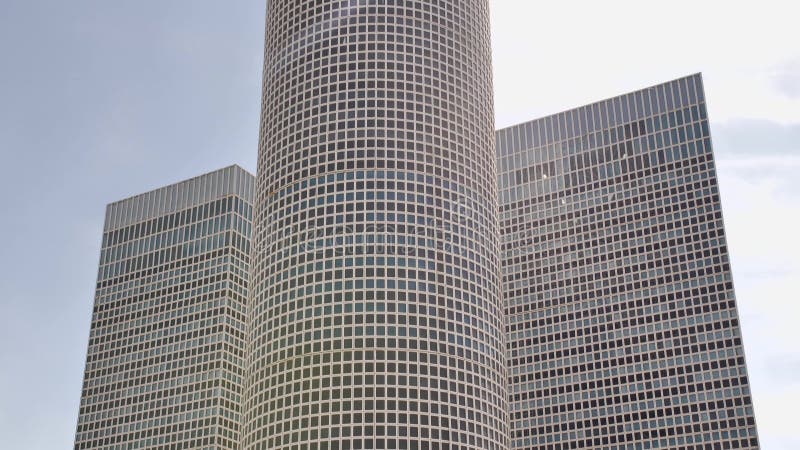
{"type": "Point", "coordinates": [375, 320]}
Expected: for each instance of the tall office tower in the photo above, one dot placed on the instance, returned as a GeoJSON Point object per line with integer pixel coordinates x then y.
{"type": "Point", "coordinates": [621, 317]}
{"type": "Point", "coordinates": [165, 362]}
{"type": "Point", "coordinates": [375, 318]}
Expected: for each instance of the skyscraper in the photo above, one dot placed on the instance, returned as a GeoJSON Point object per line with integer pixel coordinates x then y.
{"type": "Point", "coordinates": [622, 323]}
{"type": "Point", "coordinates": [375, 318]}
{"type": "Point", "coordinates": [164, 368]}
{"type": "Point", "coordinates": [399, 292]}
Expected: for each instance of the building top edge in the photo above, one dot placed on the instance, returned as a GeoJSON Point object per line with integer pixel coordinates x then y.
{"type": "Point", "coordinates": [230, 180]}
{"type": "Point", "coordinates": [696, 78]}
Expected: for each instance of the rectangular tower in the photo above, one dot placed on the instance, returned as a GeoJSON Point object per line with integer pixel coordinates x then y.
{"type": "Point", "coordinates": [165, 358]}
{"type": "Point", "coordinates": [621, 317]}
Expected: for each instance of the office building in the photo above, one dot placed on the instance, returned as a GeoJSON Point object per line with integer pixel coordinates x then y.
{"type": "Point", "coordinates": [375, 317]}
{"type": "Point", "coordinates": [623, 331]}
{"type": "Point", "coordinates": [164, 368]}
{"type": "Point", "coordinates": [417, 281]}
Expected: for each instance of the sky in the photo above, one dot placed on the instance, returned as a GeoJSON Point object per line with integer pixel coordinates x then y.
{"type": "Point", "coordinates": [102, 100]}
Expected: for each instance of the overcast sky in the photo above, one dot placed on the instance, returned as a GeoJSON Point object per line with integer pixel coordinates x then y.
{"type": "Point", "coordinates": [100, 100]}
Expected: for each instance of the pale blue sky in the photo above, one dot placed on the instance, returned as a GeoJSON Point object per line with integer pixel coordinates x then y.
{"type": "Point", "coordinates": [100, 100]}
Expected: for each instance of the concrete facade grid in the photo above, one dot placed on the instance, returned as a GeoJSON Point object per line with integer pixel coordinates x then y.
{"type": "Point", "coordinates": [165, 359]}
{"type": "Point", "coordinates": [376, 321]}
{"type": "Point", "coordinates": [623, 331]}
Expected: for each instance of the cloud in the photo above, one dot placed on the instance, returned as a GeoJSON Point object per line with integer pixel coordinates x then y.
{"type": "Point", "coordinates": [756, 137]}
{"type": "Point", "coordinates": [780, 432]}
{"type": "Point", "coordinates": [785, 371]}
{"type": "Point", "coordinates": [758, 162]}
{"type": "Point", "coordinates": [787, 79]}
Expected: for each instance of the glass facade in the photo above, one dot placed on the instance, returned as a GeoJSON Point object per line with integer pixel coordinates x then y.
{"type": "Point", "coordinates": [375, 318]}
{"type": "Point", "coordinates": [164, 368]}
{"type": "Point", "coordinates": [621, 317]}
